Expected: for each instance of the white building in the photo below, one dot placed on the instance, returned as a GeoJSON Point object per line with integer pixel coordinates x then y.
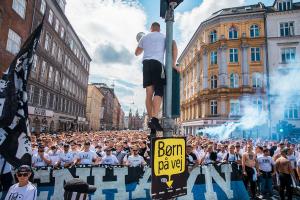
{"type": "Point", "coordinates": [283, 41]}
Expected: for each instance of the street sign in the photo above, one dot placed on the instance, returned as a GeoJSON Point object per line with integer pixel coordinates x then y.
{"type": "Point", "coordinates": [169, 169]}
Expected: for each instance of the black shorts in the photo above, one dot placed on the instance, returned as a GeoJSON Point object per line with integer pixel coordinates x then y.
{"type": "Point", "coordinates": [153, 75]}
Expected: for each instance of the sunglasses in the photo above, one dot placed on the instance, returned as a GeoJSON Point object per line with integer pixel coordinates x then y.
{"type": "Point", "coordinates": [22, 174]}
{"type": "Point", "coordinates": [134, 150]}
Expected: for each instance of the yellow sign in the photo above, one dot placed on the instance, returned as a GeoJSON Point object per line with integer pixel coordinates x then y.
{"type": "Point", "coordinates": [169, 157]}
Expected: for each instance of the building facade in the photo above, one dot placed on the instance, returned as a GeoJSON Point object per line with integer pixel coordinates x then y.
{"type": "Point", "coordinates": [283, 39]}
{"type": "Point", "coordinates": [136, 122]}
{"type": "Point", "coordinates": [224, 65]}
{"type": "Point", "coordinates": [57, 88]}
{"type": "Point", "coordinates": [15, 27]}
{"type": "Point", "coordinates": [93, 109]}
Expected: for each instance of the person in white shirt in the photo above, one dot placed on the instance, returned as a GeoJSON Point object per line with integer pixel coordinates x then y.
{"type": "Point", "coordinates": [266, 170]}
{"type": "Point", "coordinates": [87, 157]}
{"type": "Point", "coordinates": [41, 159]}
{"type": "Point", "coordinates": [153, 46]}
{"type": "Point", "coordinates": [66, 158]}
{"type": "Point", "coordinates": [24, 189]}
{"type": "Point", "coordinates": [135, 160]}
{"type": "Point", "coordinates": [54, 156]}
{"type": "Point", "coordinates": [232, 156]}
{"type": "Point", "coordinates": [221, 154]}
{"type": "Point", "coordinates": [109, 159]}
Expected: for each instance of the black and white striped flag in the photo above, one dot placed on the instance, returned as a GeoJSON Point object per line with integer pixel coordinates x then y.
{"type": "Point", "coordinates": [15, 145]}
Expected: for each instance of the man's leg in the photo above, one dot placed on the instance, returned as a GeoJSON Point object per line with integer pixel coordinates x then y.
{"type": "Point", "coordinates": [149, 100]}
{"type": "Point", "coordinates": [156, 106]}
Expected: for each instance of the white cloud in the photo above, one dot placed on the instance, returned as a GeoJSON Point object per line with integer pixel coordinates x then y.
{"type": "Point", "coordinates": [188, 22]}
{"type": "Point", "coordinates": [114, 22]}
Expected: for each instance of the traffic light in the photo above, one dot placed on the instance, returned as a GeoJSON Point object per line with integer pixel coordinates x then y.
{"type": "Point", "coordinates": [164, 4]}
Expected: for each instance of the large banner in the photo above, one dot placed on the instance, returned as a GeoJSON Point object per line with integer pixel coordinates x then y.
{"type": "Point", "coordinates": [211, 182]}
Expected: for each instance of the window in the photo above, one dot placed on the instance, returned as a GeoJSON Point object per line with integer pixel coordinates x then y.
{"type": "Point", "coordinates": [291, 111]}
{"type": "Point", "coordinates": [71, 44]}
{"type": "Point", "coordinates": [47, 100]}
{"type": "Point", "coordinates": [54, 102]}
{"type": "Point", "coordinates": [40, 98]}
{"type": "Point", "coordinates": [213, 82]}
{"type": "Point", "coordinates": [233, 34]}
{"type": "Point", "coordinates": [213, 107]}
{"type": "Point", "coordinates": [31, 93]}
{"type": "Point", "coordinates": [56, 25]}
{"type": "Point", "coordinates": [256, 80]}
{"type": "Point", "coordinates": [13, 42]}
{"type": "Point", "coordinates": [234, 107]}
{"type": "Point", "coordinates": [62, 32]}
{"type": "Point", "coordinates": [43, 70]}
{"type": "Point", "coordinates": [56, 78]}
{"type": "Point", "coordinates": [43, 6]}
{"type": "Point", "coordinates": [288, 55]}
{"type": "Point", "coordinates": [59, 56]}
{"type": "Point", "coordinates": [283, 6]}
{"type": "Point", "coordinates": [254, 31]}
{"type": "Point", "coordinates": [61, 104]}
{"type": "Point", "coordinates": [53, 53]}
{"type": "Point", "coordinates": [255, 54]}
{"type": "Point", "coordinates": [234, 55]}
{"type": "Point", "coordinates": [213, 36]}
{"type": "Point", "coordinates": [287, 29]}
{"type": "Point", "coordinates": [50, 18]}
{"type": "Point", "coordinates": [20, 7]}
{"type": "Point", "coordinates": [47, 42]}
{"type": "Point", "coordinates": [50, 75]}
{"type": "Point", "coordinates": [258, 104]}
{"type": "Point", "coordinates": [213, 58]}
{"type": "Point", "coordinates": [34, 63]}
{"type": "Point", "coordinates": [234, 80]}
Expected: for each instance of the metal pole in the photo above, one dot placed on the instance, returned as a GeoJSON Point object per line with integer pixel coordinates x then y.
{"type": "Point", "coordinates": [168, 121]}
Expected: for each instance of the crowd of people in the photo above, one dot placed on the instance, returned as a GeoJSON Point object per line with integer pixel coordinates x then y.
{"type": "Point", "coordinates": [261, 162]}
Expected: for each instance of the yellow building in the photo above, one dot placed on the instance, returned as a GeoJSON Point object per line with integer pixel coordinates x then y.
{"type": "Point", "coordinates": [223, 63]}
{"type": "Point", "coordinates": [93, 109]}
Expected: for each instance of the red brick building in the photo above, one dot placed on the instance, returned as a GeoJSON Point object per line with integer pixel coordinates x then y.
{"type": "Point", "coordinates": [15, 26]}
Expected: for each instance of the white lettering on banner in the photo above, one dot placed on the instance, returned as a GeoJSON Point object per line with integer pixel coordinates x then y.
{"type": "Point", "coordinates": [99, 173]}
{"type": "Point", "coordinates": [60, 177]}
{"type": "Point", "coordinates": [2, 101]}
{"type": "Point", "coordinates": [191, 181]}
{"type": "Point", "coordinates": [54, 190]}
{"type": "Point", "coordinates": [211, 173]}
{"type": "Point", "coordinates": [3, 135]}
{"type": "Point", "coordinates": [140, 190]}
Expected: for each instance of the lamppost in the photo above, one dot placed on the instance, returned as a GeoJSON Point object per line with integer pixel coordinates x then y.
{"type": "Point", "coordinates": [167, 8]}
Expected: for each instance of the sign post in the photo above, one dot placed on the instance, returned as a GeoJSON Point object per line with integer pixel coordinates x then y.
{"type": "Point", "coordinates": [169, 169]}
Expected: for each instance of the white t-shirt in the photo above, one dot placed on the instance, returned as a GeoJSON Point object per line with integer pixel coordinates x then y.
{"type": "Point", "coordinates": [66, 158]}
{"type": "Point", "coordinates": [221, 155]}
{"type": "Point", "coordinates": [109, 160]}
{"type": "Point", "coordinates": [27, 192]}
{"type": "Point", "coordinates": [37, 161]}
{"type": "Point", "coordinates": [54, 157]}
{"type": "Point", "coordinates": [135, 161]}
{"type": "Point", "coordinates": [232, 157]}
{"type": "Point", "coordinates": [153, 45]}
{"type": "Point", "coordinates": [265, 163]}
{"type": "Point", "coordinates": [86, 158]}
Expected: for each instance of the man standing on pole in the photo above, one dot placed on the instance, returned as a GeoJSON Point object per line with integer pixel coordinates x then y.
{"type": "Point", "coordinates": [154, 77]}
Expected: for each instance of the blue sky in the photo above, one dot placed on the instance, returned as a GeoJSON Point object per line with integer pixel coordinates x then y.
{"type": "Point", "coordinates": [108, 29]}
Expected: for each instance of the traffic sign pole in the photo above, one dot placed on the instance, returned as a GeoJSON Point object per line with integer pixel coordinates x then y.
{"type": "Point", "coordinates": [168, 122]}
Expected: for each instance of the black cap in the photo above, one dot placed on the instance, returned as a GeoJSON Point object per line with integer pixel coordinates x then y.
{"type": "Point", "coordinates": [24, 168]}
{"type": "Point", "coordinates": [78, 185]}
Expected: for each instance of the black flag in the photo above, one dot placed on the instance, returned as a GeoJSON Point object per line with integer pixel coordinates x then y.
{"type": "Point", "coordinates": [15, 145]}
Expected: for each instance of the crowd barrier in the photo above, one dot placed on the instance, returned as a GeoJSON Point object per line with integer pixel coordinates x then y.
{"type": "Point", "coordinates": [210, 182]}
